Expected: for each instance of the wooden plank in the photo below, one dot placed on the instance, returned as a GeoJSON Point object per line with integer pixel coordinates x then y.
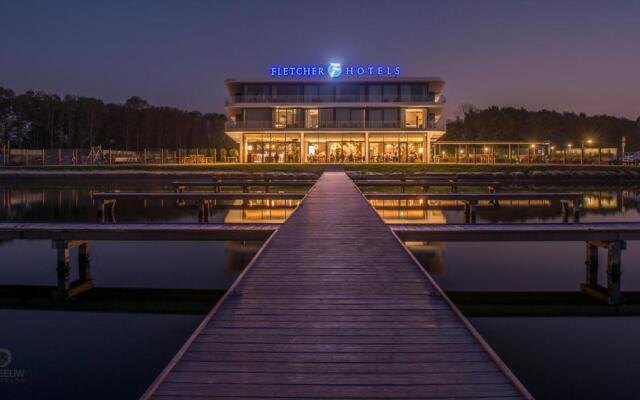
{"type": "Point", "coordinates": [334, 290]}
{"type": "Point", "coordinates": [337, 368]}
{"type": "Point", "coordinates": [294, 378]}
{"type": "Point", "coordinates": [339, 391]}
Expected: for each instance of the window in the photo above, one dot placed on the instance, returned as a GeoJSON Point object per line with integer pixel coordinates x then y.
{"type": "Point", "coordinates": [286, 118]}
{"type": "Point", "coordinates": [272, 148]}
{"type": "Point", "coordinates": [414, 118]}
{"type": "Point", "coordinates": [326, 118]}
{"type": "Point", "coordinates": [313, 118]}
{"type": "Point", "coordinates": [375, 92]}
{"type": "Point", "coordinates": [383, 118]}
{"type": "Point", "coordinates": [391, 118]}
{"type": "Point", "coordinates": [257, 117]}
{"type": "Point", "coordinates": [393, 147]}
{"type": "Point", "coordinates": [256, 93]}
{"type": "Point", "coordinates": [326, 91]}
{"type": "Point", "coordinates": [349, 117]}
{"type": "Point", "coordinates": [286, 92]}
{"type": "Point", "coordinates": [311, 93]}
{"type": "Point", "coordinates": [350, 92]}
{"type": "Point", "coordinates": [390, 92]}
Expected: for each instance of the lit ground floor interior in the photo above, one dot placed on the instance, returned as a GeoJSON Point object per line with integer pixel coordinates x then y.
{"type": "Point", "coordinates": [402, 147]}
{"type": "Point", "coordinates": [361, 147]}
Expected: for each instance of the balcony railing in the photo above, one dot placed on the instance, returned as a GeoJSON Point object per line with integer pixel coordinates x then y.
{"type": "Point", "coordinates": [271, 125]}
{"type": "Point", "coordinates": [430, 98]}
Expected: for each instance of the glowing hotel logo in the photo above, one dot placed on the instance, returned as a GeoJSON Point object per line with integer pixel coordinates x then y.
{"type": "Point", "coordinates": [335, 70]}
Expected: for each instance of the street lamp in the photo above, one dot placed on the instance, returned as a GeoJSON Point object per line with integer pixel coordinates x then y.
{"type": "Point", "coordinates": [588, 141]}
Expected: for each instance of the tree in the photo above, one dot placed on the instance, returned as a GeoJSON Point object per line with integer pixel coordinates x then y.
{"type": "Point", "coordinates": [508, 123]}
{"type": "Point", "coordinates": [37, 119]}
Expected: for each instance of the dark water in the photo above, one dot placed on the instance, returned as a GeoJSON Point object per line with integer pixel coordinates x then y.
{"type": "Point", "coordinates": [117, 353]}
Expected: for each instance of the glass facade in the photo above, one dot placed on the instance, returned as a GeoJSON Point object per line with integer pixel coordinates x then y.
{"type": "Point", "coordinates": [373, 121]}
{"type": "Point", "coordinates": [272, 148]}
{"type": "Point", "coordinates": [320, 147]}
{"type": "Point", "coordinates": [334, 147]}
{"type": "Point", "coordinates": [396, 147]}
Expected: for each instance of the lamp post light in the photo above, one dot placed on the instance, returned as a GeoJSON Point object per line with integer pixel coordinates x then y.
{"type": "Point", "coordinates": [533, 153]}
{"type": "Point", "coordinates": [569, 146]}
{"type": "Point", "coordinates": [588, 141]}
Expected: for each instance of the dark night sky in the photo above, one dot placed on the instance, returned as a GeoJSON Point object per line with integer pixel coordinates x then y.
{"type": "Point", "coordinates": [575, 56]}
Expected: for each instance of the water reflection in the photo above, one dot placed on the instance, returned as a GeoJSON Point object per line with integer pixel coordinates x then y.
{"type": "Point", "coordinates": [618, 205]}
{"type": "Point", "coordinates": [77, 205]}
{"type": "Point", "coordinates": [121, 280]}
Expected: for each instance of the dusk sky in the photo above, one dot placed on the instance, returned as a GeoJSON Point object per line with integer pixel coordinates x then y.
{"type": "Point", "coordinates": [570, 56]}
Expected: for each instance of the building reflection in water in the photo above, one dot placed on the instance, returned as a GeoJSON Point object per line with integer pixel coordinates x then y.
{"type": "Point", "coordinates": [407, 212]}
{"type": "Point", "coordinates": [601, 200]}
{"type": "Point", "coordinates": [259, 211]}
{"type": "Point", "coordinates": [430, 255]}
{"type": "Point", "coordinates": [238, 254]}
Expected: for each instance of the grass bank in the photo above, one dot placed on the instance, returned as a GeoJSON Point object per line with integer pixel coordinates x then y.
{"type": "Point", "coordinates": [472, 168]}
{"type": "Point", "coordinates": [614, 174]}
{"type": "Point", "coordinates": [172, 168]}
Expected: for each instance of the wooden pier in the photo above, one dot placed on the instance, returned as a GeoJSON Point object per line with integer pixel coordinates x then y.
{"type": "Point", "coordinates": [425, 184]}
{"type": "Point", "coordinates": [334, 306]}
{"type": "Point", "coordinates": [244, 184]}
{"type": "Point", "coordinates": [184, 232]}
{"type": "Point", "coordinates": [571, 202]}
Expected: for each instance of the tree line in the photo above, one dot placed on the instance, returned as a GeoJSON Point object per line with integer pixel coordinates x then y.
{"type": "Point", "coordinates": [37, 119]}
{"type": "Point", "coordinates": [560, 128]}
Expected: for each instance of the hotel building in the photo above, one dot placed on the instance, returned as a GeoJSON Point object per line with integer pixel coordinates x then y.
{"type": "Point", "coordinates": [335, 118]}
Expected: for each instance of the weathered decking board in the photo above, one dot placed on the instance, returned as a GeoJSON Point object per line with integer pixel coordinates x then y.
{"type": "Point", "coordinates": [334, 306]}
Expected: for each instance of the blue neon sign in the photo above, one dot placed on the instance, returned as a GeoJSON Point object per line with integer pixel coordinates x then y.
{"type": "Point", "coordinates": [335, 70]}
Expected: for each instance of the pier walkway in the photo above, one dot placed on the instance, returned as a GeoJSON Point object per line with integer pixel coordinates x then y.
{"type": "Point", "coordinates": [334, 306]}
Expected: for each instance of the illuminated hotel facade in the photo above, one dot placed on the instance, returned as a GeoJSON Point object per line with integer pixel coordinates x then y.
{"type": "Point", "coordinates": [335, 114]}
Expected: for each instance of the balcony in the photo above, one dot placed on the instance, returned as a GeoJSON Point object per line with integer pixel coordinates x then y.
{"type": "Point", "coordinates": [328, 125]}
{"type": "Point", "coordinates": [295, 99]}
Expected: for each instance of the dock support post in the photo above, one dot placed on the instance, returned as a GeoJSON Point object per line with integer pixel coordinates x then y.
{"type": "Point", "coordinates": [203, 212]}
{"type": "Point", "coordinates": [470, 211]}
{"type": "Point", "coordinates": [473, 205]}
{"type": "Point", "coordinates": [591, 263]}
{"type": "Point", "coordinates": [62, 269]}
{"type": "Point", "coordinates": [614, 258]}
{"type": "Point", "coordinates": [108, 211]}
{"type": "Point", "coordinates": [470, 208]}
{"type": "Point", "coordinates": [565, 211]}
{"type": "Point", "coordinates": [84, 262]}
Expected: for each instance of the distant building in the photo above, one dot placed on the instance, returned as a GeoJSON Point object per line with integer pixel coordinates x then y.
{"type": "Point", "coordinates": [335, 114]}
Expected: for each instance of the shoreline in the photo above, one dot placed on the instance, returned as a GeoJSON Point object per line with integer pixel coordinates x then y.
{"type": "Point", "coordinates": [523, 173]}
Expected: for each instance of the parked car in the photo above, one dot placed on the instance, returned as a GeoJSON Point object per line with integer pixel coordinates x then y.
{"type": "Point", "coordinates": [626, 159]}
